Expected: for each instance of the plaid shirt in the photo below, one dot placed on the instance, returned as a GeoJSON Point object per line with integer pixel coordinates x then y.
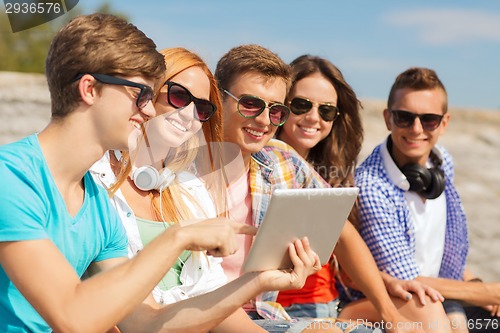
{"type": "Point", "coordinates": [389, 230]}
{"type": "Point", "coordinates": [276, 166]}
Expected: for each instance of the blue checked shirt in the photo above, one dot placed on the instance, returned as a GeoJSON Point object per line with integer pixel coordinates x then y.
{"type": "Point", "coordinates": [388, 229]}
{"type": "Point", "coordinates": [276, 166]}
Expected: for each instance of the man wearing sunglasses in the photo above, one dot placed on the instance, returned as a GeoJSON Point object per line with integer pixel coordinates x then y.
{"type": "Point", "coordinates": [410, 212]}
{"type": "Point", "coordinates": [56, 223]}
{"type": "Point", "coordinates": [254, 82]}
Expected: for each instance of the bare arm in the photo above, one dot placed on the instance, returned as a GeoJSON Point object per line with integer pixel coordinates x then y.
{"type": "Point", "coordinates": [238, 322]}
{"type": "Point", "coordinates": [50, 284]}
{"type": "Point", "coordinates": [477, 293]}
{"type": "Point", "coordinates": [357, 261]}
{"type": "Point", "coordinates": [197, 314]}
{"type": "Point", "coordinates": [212, 309]}
{"type": "Point", "coordinates": [404, 289]}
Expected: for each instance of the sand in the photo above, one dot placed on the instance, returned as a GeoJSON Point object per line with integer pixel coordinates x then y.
{"type": "Point", "coordinates": [473, 138]}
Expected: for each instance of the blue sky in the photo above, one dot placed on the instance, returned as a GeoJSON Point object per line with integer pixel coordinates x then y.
{"type": "Point", "coordinates": [370, 41]}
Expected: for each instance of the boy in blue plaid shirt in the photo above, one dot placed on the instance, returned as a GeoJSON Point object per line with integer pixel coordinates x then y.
{"type": "Point", "coordinates": [411, 216]}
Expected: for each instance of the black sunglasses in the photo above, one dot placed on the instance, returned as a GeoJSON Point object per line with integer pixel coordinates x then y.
{"type": "Point", "coordinates": [250, 106]}
{"type": "Point", "coordinates": [405, 119]}
{"type": "Point", "coordinates": [327, 111]}
{"type": "Point", "coordinates": [179, 97]}
{"type": "Point", "coordinates": [145, 95]}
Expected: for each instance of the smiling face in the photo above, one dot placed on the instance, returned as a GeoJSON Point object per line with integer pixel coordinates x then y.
{"type": "Point", "coordinates": [414, 144]}
{"type": "Point", "coordinates": [117, 116]}
{"type": "Point", "coordinates": [172, 126]}
{"type": "Point", "coordinates": [304, 131]}
{"type": "Point", "coordinates": [251, 134]}
{"type": "Point", "coordinates": [179, 125]}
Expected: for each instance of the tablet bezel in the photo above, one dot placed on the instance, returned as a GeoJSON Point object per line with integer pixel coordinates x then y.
{"type": "Point", "coordinates": [289, 217]}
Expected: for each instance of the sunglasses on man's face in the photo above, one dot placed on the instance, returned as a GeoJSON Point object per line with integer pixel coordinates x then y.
{"type": "Point", "coordinates": [327, 111]}
{"type": "Point", "coordinates": [250, 106]}
{"type": "Point", "coordinates": [179, 97]}
{"type": "Point", "coordinates": [405, 119]}
{"type": "Point", "coordinates": [145, 95]}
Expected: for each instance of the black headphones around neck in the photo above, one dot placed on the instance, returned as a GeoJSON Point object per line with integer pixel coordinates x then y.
{"type": "Point", "coordinates": [428, 182]}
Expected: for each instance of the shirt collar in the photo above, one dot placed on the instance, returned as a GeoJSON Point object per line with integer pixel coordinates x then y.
{"type": "Point", "coordinates": [393, 172]}
{"type": "Point", "coordinates": [102, 169]}
{"type": "Point", "coordinates": [263, 159]}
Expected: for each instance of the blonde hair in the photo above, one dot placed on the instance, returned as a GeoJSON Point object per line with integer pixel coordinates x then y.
{"type": "Point", "coordinates": [171, 205]}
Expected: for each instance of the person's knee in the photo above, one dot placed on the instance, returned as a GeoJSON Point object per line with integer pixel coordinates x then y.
{"type": "Point", "coordinates": [414, 306]}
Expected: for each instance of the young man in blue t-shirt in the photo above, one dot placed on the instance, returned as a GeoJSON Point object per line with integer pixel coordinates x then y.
{"type": "Point", "coordinates": [56, 223]}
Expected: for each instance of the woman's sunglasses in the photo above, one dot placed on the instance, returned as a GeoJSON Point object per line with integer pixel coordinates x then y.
{"type": "Point", "coordinates": [327, 111]}
{"type": "Point", "coordinates": [179, 97]}
{"type": "Point", "coordinates": [250, 106]}
{"type": "Point", "coordinates": [146, 94]}
{"type": "Point", "coordinates": [405, 119]}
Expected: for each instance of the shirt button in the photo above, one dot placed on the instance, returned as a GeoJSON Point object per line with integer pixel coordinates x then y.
{"type": "Point", "coordinates": [103, 175]}
{"type": "Point", "coordinates": [128, 214]}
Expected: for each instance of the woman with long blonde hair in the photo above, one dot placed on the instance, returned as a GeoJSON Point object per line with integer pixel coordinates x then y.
{"type": "Point", "coordinates": [162, 181]}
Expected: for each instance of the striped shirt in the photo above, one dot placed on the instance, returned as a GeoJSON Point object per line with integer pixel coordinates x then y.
{"type": "Point", "coordinates": [277, 166]}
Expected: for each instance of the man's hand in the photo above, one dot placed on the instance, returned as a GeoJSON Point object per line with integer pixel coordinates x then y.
{"type": "Point", "coordinates": [217, 236]}
{"type": "Point", "coordinates": [404, 288]}
{"type": "Point", "coordinates": [494, 310]}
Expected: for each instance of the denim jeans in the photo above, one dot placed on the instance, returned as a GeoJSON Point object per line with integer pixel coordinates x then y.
{"type": "Point", "coordinates": [282, 326]}
{"type": "Point", "coordinates": [313, 310]}
{"type": "Point", "coordinates": [478, 319]}
{"type": "Point", "coordinates": [299, 324]}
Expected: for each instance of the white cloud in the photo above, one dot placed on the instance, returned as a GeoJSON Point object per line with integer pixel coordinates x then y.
{"type": "Point", "coordinates": [449, 26]}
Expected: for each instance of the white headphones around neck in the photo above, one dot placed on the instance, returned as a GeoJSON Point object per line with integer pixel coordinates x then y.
{"type": "Point", "coordinates": [147, 178]}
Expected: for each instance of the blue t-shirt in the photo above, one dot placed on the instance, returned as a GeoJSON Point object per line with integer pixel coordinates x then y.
{"type": "Point", "coordinates": [31, 207]}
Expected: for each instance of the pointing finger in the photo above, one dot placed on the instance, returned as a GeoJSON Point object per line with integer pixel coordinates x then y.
{"type": "Point", "coordinates": [241, 228]}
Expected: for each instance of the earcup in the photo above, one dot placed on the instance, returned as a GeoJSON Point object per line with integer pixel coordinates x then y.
{"type": "Point", "coordinates": [418, 176]}
{"type": "Point", "coordinates": [437, 185]}
{"type": "Point", "coordinates": [429, 183]}
{"type": "Point", "coordinates": [147, 178]}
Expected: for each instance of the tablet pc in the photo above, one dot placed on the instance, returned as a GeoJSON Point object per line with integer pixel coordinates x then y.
{"type": "Point", "coordinates": [318, 213]}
